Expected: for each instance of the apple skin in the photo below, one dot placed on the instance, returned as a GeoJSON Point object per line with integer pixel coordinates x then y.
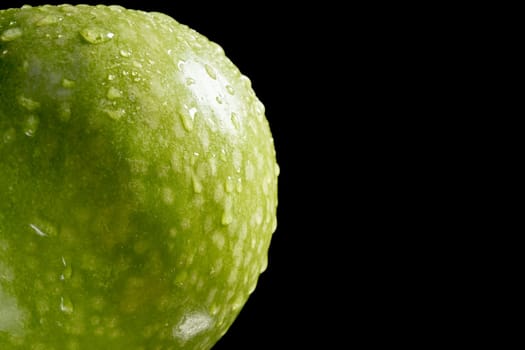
{"type": "Point", "coordinates": [138, 182]}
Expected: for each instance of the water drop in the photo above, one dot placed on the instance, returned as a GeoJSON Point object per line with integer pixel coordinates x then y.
{"type": "Point", "coordinates": [167, 195]}
{"type": "Point", "coordinates": [38, 231]}
{"type": "Point", "coordinates": [125, 53]}
{"type": "Point", "coordinates": [235, 120]}
{"type": "Point", "coordinates": [31, 125]}
{"type": "Point", "coordinates": [237, 160]}
{"type": "Point", "coordinates": [197, 185]}
{"type": "Point", "coordinates": [219, 240]}
{"type": "Point", "coordinates": [230, 89]}
{"type": "Point", "coordinates": [68, 83]}
{"type": "Point", "coordinates": [67, 8]}
{"type": "Point", "coordinates": [222, 155]}
{"type": "Point", "coordinates": [229, 184]}
{"type": "Point", "coordinates": [258, 216]}
{"type": "Point", "coordinates": [190, 325]}
{"type": "Point", "coordinates": [68, 270]}
{"type": "Point", "coordinates": [219, 100]}
{"type": "Point", "coordinates": [249, 170]}
{"type": "Point", "coordinates": [180, 65]}
{"type": "Point", "coordinates": [49, 19]}
{"type": "Point", "coordinates": [28, 103]}
{"type": "Point", "coordinates": [116, 8]}
{"type": "Point", "coordinates": [190, 81]}
{"type": "Point", "coordinates": [11, 34]}
{"type": "Point", "coordinates": [96, 35]}
{"type": "Point", "coordinates": [113, 93]}
{"type": "Point", "coordinates": [239, 185]}
{"type": "Point", "coordinates": [115, 114]}
{"type": "Point", "coordinates": [111, 77]}
{"type": "Point", "coordinates": [43, 228]}
{"type": "Point", "coordinates": [188, 118]}
{"type": "Point", "coordinates": [9, 135]}
{"type": "Point", "coordinates": [66, 306]}
{"type": "Point", "coordinates": [264, 263]}
{"type": "Point", "coordinates": [259, 110]}
{"type": "Point", "coordinates": [210, 72]}
{"type": "Point", "coordinates": [64, 112]}
{"type": "Point", "coordinates": [227, 216]}
{"type": "Point", "coordinates": [237, 303]}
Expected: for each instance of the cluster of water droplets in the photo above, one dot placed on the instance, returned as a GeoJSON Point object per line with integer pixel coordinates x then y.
{"type": "Point", "coordinates": [194, 322]}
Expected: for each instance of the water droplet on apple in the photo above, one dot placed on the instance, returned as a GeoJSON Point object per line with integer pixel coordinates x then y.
{"type": "Point", "coordinates": [190, 81]}
{"type": "Point", "coordinates": [229, 184]}
{"type": "Point", "coordinates": [223, 156]}
{"type": "Point", "coordinates": [30, 125]}
{"type": "Point", "coordinates": [66, 274]}
{"type": "Point", "coordinates": [96, 35]}
{"type": "Point", "coordinates": [237, 160]}
{"type": "Point", "coordinates": [68, 8]}
{"type": "Point", "coordinates": [68, 270]}
{"type": "Point", "coordinates": [197, 185]}
{"type": "Point", "coordinates": [68, 83]}
{"type": "Point", "coordinates": [180, 64]}
{"type": "Point", "coordinates": [249, 170]}
{"type": "Point", "coordinates": [230, 89]}
{"type": "Point", "coordinates": [47, 20]}
{"type": "Point", "coordinates": [239, 185]}
{"type": "Point", "coordinates": [235, 120]}
{"type": "Point", "coordinates": [219, 100]}
{"type": "Point", "coordinates": [219, 240]}
{"type": "Point", "coordinates": [64, 112]}
{"type": "Point", "coordinates": [9, 135]}
{"type": "Point", "coordinates": [188, 118]}
{"type": "Point", "coordinates": [237, 303]}
{"type": "Point", "coordinates": [135, 74]}
{"type": "Point", "coordinates": [27, 103]}
{"type": "Point", "coordinates": [264, 264]}
{"type": "Point", "coordinates": [43, 228]}
{"type": "Point", "coordinates": [210, 71]}
{"type": "Point", "coordinates": [167, 195]}
{"type": "Point", "coordinates": [125, 53]}
{"type": "Point", "coordinates": [11, 34]}
{"type": "Point", "coordinates": [116, 8]}
{"type": "Point", "coordinates": [113, 93]}
{"type": "Point", "coordinates": [115, 114]}
{"type": "Point", "coordinates": [227, 216]}
{"type": "Point", "coordinates": [190, 325]}
{"type": "Point", "coordinates": [66, 305]}
{"type": "Point", "coordinates": [111, 77]}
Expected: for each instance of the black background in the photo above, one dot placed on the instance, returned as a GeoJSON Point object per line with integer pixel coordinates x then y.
{"type": "Point", "coordinates": [279, 51]}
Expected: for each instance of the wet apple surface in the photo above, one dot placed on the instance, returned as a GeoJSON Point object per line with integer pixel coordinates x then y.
{"type": "Point", "coordinates": [138, 182]}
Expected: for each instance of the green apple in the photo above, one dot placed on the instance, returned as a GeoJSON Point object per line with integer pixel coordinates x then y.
{"type": "Point", "coordinates": [138, 182]}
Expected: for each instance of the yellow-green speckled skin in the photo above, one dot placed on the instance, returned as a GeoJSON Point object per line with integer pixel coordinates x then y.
{"type": "Point", "coordinates": [138, 182]}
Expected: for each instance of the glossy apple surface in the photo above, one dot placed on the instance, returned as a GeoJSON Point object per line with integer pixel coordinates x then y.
{"type": "Point", "coordinates": [138, 182]}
